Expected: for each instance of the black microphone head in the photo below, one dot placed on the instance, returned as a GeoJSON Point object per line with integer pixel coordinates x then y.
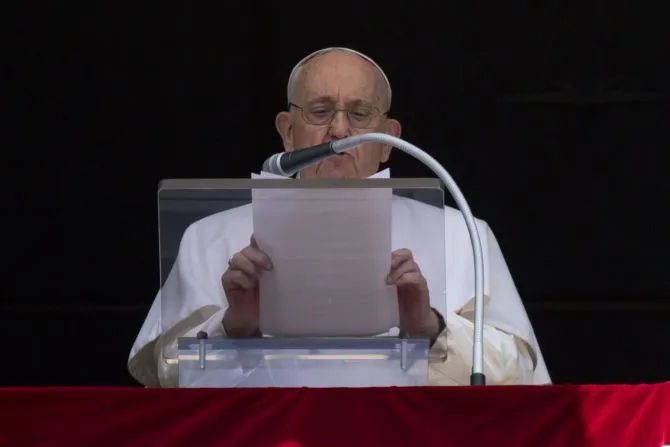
{"type": "Point", "coordinates": [287, 164]}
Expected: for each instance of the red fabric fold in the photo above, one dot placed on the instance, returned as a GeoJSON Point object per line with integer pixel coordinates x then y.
{"type": "Point", "coordinates": [542, 416]}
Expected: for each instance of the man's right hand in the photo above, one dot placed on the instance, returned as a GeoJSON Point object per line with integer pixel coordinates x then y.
{"type": "Point", "coordinates": [240, 282]}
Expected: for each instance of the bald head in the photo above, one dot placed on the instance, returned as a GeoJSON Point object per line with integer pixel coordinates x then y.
{"type": "Point", "coordinates": [341, 66]}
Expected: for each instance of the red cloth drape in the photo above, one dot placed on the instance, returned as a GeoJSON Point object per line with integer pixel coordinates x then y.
{"type": "Point", "coordinates": [546, 416]}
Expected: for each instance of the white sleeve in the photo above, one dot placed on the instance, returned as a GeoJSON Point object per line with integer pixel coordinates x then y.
{"type": "Point", "coordinates": [507, 359]}
{"type": "Point", "coordinates": [168, 372]}
{"type": "Point", "coordinates": [191, 300]}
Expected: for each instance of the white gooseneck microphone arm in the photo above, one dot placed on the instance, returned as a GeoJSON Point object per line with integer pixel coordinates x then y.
{"type": "Point", "coordinates": [288, 163]}
{"type": "Point", "coordinates": [345, 144]}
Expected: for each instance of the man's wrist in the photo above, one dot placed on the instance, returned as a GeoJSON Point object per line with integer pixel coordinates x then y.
{"type": "Point", "coordinates": [430, 329]}
{"type": "Point", "coordinates": [433, 329]}
{"type": "Point", "coordinates": [441, 325]}
{"type": "Point", "coordinates": [234, 328]}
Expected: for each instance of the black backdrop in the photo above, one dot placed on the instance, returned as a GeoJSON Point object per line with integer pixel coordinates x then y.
{"type": "Point", "coordinates": [553, 120]}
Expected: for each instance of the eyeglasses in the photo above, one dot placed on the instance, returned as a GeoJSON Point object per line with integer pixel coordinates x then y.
{"type": "Point", "coordinates": [360, 116]}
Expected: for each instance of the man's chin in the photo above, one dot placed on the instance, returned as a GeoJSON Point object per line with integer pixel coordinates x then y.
{"type": "Point", "coordinates": [336, 168]}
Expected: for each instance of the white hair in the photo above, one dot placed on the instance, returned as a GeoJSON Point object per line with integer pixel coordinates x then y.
{"type": "Point", "coordinates": [295, 73]}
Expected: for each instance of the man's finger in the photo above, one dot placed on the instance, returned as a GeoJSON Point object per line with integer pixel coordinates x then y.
{"type": "Point", "coordinates": [240, 261]}
{"type": "Point", "coordinates": [237, 279]}
{"type": "Point", "coordinates": [257, 257]}
{"type": "Point", "coordinates": [399, 256]}
{"type": "Point", "coordinates": [409, 279]}
{"type": "Point", "coordinates": [406, 266]}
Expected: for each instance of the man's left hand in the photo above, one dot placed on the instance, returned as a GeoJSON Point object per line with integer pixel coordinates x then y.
{"type": "Point", "coordinates": [416, 316]}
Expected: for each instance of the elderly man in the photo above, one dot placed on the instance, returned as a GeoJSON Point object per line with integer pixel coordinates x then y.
{"type": "Point", "coordinates": [334, 93]}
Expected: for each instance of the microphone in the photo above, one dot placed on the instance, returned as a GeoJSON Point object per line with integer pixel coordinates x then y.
{"type": "Point", "coordinates": [289, 163]}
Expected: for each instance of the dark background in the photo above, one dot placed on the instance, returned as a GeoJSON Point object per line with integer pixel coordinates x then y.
{"type": "Point", "coordinates": [553, 121]}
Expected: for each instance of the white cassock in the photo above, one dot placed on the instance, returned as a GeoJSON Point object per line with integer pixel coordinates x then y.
{"type": "Point", "coordinates": [192, 298]}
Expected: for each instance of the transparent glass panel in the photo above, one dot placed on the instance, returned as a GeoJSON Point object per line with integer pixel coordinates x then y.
{"type": "Point", "coordinates": [203, 222]}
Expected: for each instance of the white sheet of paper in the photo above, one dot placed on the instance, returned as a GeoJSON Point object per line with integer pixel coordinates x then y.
{"type": "Point", "coordinates": [331, 251]}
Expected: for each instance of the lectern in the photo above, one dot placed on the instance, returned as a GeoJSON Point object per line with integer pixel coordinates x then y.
{"type": "Point", "coordinates": [313, 353]}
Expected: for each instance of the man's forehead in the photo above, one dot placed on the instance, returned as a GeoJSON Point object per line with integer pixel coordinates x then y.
{"type": "Point", "coordinates": [340, 77]}
{"type": "Point", "coordinates": [339, 73]}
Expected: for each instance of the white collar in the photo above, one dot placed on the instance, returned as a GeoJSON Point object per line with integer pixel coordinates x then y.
{"type": "Point", "coordinates": [386, 173]}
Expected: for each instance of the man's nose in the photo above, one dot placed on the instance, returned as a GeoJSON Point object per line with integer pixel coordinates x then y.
{"type": "Point", "coordinates": [339, 126]}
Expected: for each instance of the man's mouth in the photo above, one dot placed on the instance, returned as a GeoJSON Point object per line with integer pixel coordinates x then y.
{"type": "Point", "coordinates": [347, 153]}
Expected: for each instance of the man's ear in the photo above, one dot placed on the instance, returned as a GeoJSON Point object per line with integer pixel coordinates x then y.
{"type": "Point", "coordinates": [393, 128]}
{"type": "Point", "coordinates": [284, 126]}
